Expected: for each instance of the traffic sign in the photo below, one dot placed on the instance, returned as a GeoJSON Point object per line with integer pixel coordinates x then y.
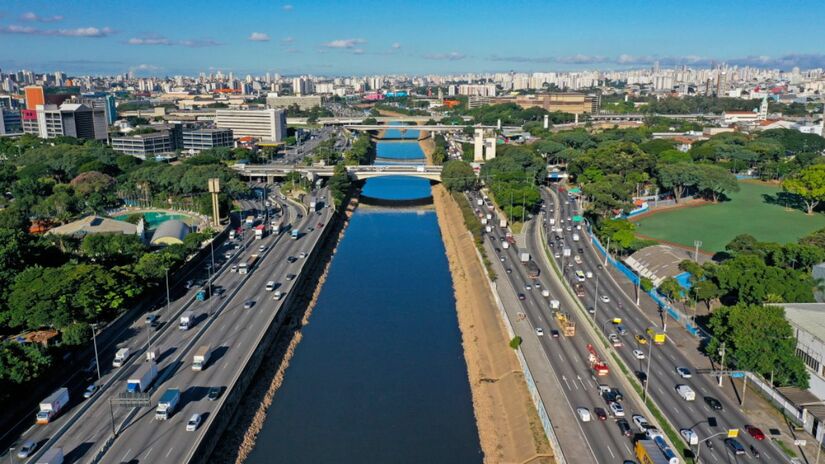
{"type": "Point", "coordinates": [733, 433]}
{"type": "Point", "coordinates": [737, 374]}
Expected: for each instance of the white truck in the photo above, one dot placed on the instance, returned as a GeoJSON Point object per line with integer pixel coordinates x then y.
{"type": "Point", "coordinates": [575, 237]}
{"type": "Point", "coordinates": [276, 226]}
{"type": "Point", "coordinates": [153, 353]}
{"type": "Point", "coordinates": [167, 404]}
{"type": "Point", "coordinates": [187, 319]}
{"type": "Point", "coordinates": [480, 202]}
{"type": "Point", "coordinates": [52, 456]}
{"type": "Point", "coordinates": [686, 392]}
{"type": "Point", "coordinates": [554, 304]}
{"type": "Point", "coordinates": [142, 378]}
{"type": "Point", "coordinates": [52, 405]}
{"type": "Point", "coordinates": [120, 357]}
{"type": "Point", "coordinates": [524, 257]}
{"type": "Point", "coordinates": [505, 245]}
{"type": "Point", "coordinates": [201, 358]}
{"type": "Point", "coordinates": [545, 293]}
{"type": "Point", "coordinates": [313, 204]}
{"type": "Point", "coordinates": [502, 223]}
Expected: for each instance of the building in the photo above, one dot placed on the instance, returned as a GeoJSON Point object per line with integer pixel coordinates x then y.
{"type": "Point", "coordinates": [98, 225]}
{"type": "Point", "coordinates": [477, 90]}
{"type": "Point", "coordinates": [658, 262]}
{"type": "Point", "coordinates": [304, 102]}
{"type": "Point", "coordinates": [195, 140]}
{"type": "Point", "coordinates": [747, 117]}
{"type": "Point", "coordinates": [111, 109]}
{"type": "Point", "coordinates": [267, 125]}
{"type": "Point", "coordinates": [171, 232]}
{"type": "Point", "coordinates": [10, 122]}
{"type": "Point", "coordinates": [28, 121]}
{"type": "Point", "coordinates": [144, 146]}
{"type": "Point", "coordinates": [72, 120]}
{"type": "Point", "coordinates": [34, 96]}
{"type": "Point", "coordinates": [573, 103]}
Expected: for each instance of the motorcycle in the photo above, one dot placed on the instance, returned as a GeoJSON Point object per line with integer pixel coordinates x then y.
{"type": "Point", "coordinates": [755, 452]}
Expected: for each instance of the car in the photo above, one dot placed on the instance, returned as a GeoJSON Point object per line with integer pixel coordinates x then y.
{"type": "Point", "coordinates": [89, 391]}
{"type": "Point", "coordinates": [640, 422]}
{"type": "Point", "coordinates": [227, 255]}
{"type": "Point", "coordinates": [521, 296]}
{"type": "Point", "coordinates": [237, 246]}
{"type": "Point", "coordinates": [641, 339]}
{"type": "Point", "coordinates": [617, 394]}
{"type": "Point", "coordinates": [683, 372]}
{"type": "Point", "coordinates": [498, 250]}
{"type": "Point", "coordinates": [527, 287]}
{"type": "Point", "coordinates": [303, 255]}
{"type": "Point", "coordinates": [152, 320]}
{"type": "Point", "coordinates": [557, 255]}
{"type": "Point", "coordinates": [584, 414]}
{"type": "Point", "coordinates": [591, 310]}
{"type": "Point", "coordinates": [604, 299]}
{"type": "Point", "coordinates": [614, 340]}
{"type": "Point", "coordinates": [537, 284]}
{"type": "Point", "coordinates": [194, 423]}
{"type": "Point", "coordinates": [291, 259]}
{"type": "Point", "coordinates": [554, 333]}
{"type": "Point", "coordinates": [713, 403]}
{"type": "Point", "coordinates": [262, 248]}
{"type": "Point", "coordinates": [616, 408]}
{"type": "Point", "coordinates": [189, 284]}
{"type": "Point", "coordinates": [552, 245]}
{"type": "Point", "coordinates": [641, 376]}
{"type": "Point", "coordinates": [501, 258]}
{"type": "Point", "coordinates": [734, 446]}
{"type": "Point", "coordinates": [580, 250]}
{"type": "Point", "coordinates": [248, 304]}
{"type": "Point", "coordinates": [26, 449]}
{"type": "Point", "coordinates": [234, 268]}
{"type": "Point", "coordinates": [652, 432]}
{"type": "Point", "coordinates": [320, 225]}
{"type": "Point", "coordinates": [600, 413]}
{"type": "Point", "coordinates": [290, 277]}
{"type": "Point", "coordinates": [539, 331]}
{"type": "Point", "coordinates": [599, 267]}
{"type": "Point", "coordinates": [624, 427]}
{"type": "Point", "coordinates": [690, 436]}
{"type": "Point", "coordinates": [214, 393]}
{"type": "Point", "coordinates": [508, 270]}
{"type": "Point", "coordinates": [638, 354]}
{"type": "Point", "coordinates": [588, 274]}
{"type": "Point", "coordinates": [620, 328]}
{"type": "Point", "coordinates": [755, 432]}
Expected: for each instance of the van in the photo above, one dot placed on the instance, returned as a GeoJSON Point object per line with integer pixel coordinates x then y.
{"type": "Point", "coordinates": [277, 295]}
{"type": "Point", "coordinates": [120, 357]}
{"type": "Point", "coordinates": [686, 392]}
{"type": "Point", "coordinates": [270, 286]}
{"type": "Point", "coordinates": [734, 446]}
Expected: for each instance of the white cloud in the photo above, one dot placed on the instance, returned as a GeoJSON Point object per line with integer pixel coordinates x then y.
{"type": "Point", "coordinates": [259, 37]}
{"type": "Point", "coordinates": [287, 40]}
{"type": "Point", "coordinates": [396, 45]}
{"type": "Point", "coordinates": [78, 32]}
{"type": "Point", "coordinates": [452, 56]}
{"type": "Point", "coordinates": [146, 67]}
{"type": "Point", "coordinates": [358, 51]}
{"type": "Point", "coordinates": [32, 16]}
{"type": "Point", "coordinates": [344, 43]}
{"type": "Point", "coordinates": [287, 7]}
{"type": "Point", "coordinates": [160, 40]}
{"type": "Point", "coordinates": [149, 41]}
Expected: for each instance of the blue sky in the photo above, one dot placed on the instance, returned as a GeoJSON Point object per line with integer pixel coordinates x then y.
{"type": "Point", "coordinates": [371, 37]}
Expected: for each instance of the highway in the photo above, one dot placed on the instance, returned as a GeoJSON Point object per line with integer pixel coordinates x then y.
{"type": "Point", "coordinates": [230, 331]}
{"type": "Point", "coordinates": [663, 378]}
{"type": "Point", "coordinates": [566, 356]}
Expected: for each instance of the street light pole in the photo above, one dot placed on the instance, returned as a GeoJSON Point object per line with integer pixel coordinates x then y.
{"type": "Point", "coordinates": [723, 362]}
{"type": "Point", "coordinates": [596, 299]}
{"type": "Point", "coordinates": [94, 342]}
{"type": "Point", "coordinates": [168, 298]}
{"type": "Point", "coordinates": [647, 374]}
{"type": "Point", "coordinates": [607, 251]}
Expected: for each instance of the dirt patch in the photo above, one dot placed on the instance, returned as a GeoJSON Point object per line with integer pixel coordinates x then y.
{"type": "Point", "coordinates": [428, 147]}
{"type": "Point", "coordinates": [684, 204]}
{"type": "Point", "coordinates": [508, 425]}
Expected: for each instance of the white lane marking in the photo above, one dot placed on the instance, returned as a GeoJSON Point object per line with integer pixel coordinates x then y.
{"type": "Point", "coordinates": [715, 458]}
{"type": "Point", "coordinates": [224, 366]}
{"type": "Point", "coordinates": [611, 453]}
{"type": "Point", "coordinates": [566, 382]}
{"type": "Point", "coordinates": [628, 449]}
{"type": "Point", "coordinates": [170, 451]}
{"type": "Point", "coordinates": [126, 454]}
{"type": "Point", "coordinates": [660, 390]}
{"type": "Point", "coordinates": [582, 382]}
{"type": "Point", "coordinates": [562, 359]}
{"type": "Point", "coordinates": [148, 453]}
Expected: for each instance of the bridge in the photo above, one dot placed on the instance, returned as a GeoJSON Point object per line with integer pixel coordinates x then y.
{"type": "Point", "coordinates": [361, 172]}
{"type": "Point", "coordinates": [435, 128]}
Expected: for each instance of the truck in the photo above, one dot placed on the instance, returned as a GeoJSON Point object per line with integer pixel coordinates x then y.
{"type": "Point", "coordinates": [657, 335]}
{"type": "Point", "coordinates": [250, 221]}
{"type": "Point", "coordinates": [313, 204]}
{"type": "Point", "coordinates": [502, 223]}
{"type": "Point", "coordinates": [480, 202]}
{"type": "Point", "coordinates": [648, 453]}
{"type": "Point", "coordinates": [666, 450]}
{"type": "Point", "coordinates": [599, 367]}
{"type": "Point", "coordinates": [153, 353]}
{"type": "Point", "coordinates": [554, 304]}
{"type": "Point", "coordinates": [276, 226]}
{"type": "Point", "coordinates": [533, 270]}
{"type": "Point", "coordinates": [524, 256]}
{"type": "Point", "coordinates": [568, 327]}
{"type": "Point", "coordinates": [142, 378]}
{"type": "Point", "coordinates": [167, 404]}
{"type": "Point", "coordinates": [52, 456]}
{"type": "Point", "coordinates": [246, 266]}
{"type": "Point", "coordinates": [505, 245]}
{"type": "Point", "coordinates": [260, 231]}
{"type": "Point", "coordinates": [52, 405]}
{"type": "Point", "coordinates": [187, 319]}
{"type": "Point", "coordinates": [545, 293]}
{"type": "Point", "coordinates": [120, 357]}
{"type": "Point", "coordinates": [201, 358]}
{"type": "Point", "coordinates": [295, 234]}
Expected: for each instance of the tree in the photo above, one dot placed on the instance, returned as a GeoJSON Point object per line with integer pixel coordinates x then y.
{"type": "Point", "coordinates": [757, 339]}
{"type": "Point", "coordinates": [113, 248]}
{"type": "Point", "coordinates": [339, 184]}
{"type": "Point", "coordinates": [22, 362]}
{"type": "Point", "coordinates": [705, 291]}
{"type": "Point", "coordinates": [808, 185]}
{"type": "Point", "coordinates": [677, 177]}
{"type": "Point", "coordinates": [77, 334]}
{"type": "Point", "coordinates": [458, 175]}
{"type": "Point", "coordinates": [670, 288]}
{"type": "Point", "coordinates": [716, 181]}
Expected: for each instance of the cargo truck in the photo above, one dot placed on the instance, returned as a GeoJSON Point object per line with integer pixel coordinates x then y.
{"type": "Point", "coordinates": [153, 353]}
{"type": "Point", "coordinates": [295, 234]}
{"type": "Point", "coordinates": [658, 336]}
{"type": "Point", "coordinates": [52, 405]}
{"type": "Point", "coordinates": [120, 357]}
{"type": "Point", "coordinates": [187, 319]}
{"type": "Point", "coordinates": [142, 378]}
{"type": "Point", "coordinates": [533, 270]}
{"type": "Point", "coordinates": [648, 453]}
{"type": "Point", "coordinates": [502, 223]}
{"type": "Point", "coordinates": [52, 456]}
{"type": "Point", "coordinates": [276, 226]}
{"type": "Point", "coordinates": [247, 266]}
{"type": "Point", "coordinates": [201, 358]}
{"type": "Point", "coordinates": [505, 245]}
{"type": "Point", "coordinates": [167, 404]}
{"type": "Point", "coordinates": [524, 256]}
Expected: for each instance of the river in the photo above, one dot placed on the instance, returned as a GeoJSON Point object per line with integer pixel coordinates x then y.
{"type": "Point", "coordinates": [379, 375]}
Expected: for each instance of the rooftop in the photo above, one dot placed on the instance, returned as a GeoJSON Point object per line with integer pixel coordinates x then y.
{"type": "Point", "coordinates": [809, 317]}
{"type": "Point", "coordinates": [659, 262]}
{"type": "Point", "coordinates": [95, 225]}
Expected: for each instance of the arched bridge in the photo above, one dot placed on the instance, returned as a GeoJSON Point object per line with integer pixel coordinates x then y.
{"type": "Point", "coordinates": [361, 172]}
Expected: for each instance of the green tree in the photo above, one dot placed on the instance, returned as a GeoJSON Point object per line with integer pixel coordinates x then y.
{"type": "Point", "coordinates": [76, 334]}
{"type": "Point", "coordinates": [677, 177]}
{"type": "Point", "coordinates": [458, 175]}
{"type": "Point", "coordinates": [22, 362]}
{"type": "Point", "coordinates": [670, 288]}
{"type": "Point", "coordinates": [808, 185]}
{"type": "Point", "coordinates": [716, 181]}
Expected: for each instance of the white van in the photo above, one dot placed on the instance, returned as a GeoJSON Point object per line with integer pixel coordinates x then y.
{"type": "Point", "coordinates": [686, 392]}
{"type": "Point", "coordinates": [575, 237]}
{"type": "Point", "coordinates": [277, 295]}
{"type": "Point", "coordinates": [270, 286]}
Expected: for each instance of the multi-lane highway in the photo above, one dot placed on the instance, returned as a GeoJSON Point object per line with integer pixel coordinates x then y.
{"type": "Point", "coordinates": [222, 322]}
{"type": "Point", "coordinates": [662, 376]}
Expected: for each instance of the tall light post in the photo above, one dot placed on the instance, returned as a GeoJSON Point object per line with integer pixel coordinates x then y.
{"type": "Point", "coordinates": [607, 251]}
{"type": "Point", "coordinates": [94, 342]}
{"type": "Point", "coordinates": [168, 298]}
{"type": "Point", "coordinates": [596, 299]}
{"type": "Point", "coordinates": [647, 373]}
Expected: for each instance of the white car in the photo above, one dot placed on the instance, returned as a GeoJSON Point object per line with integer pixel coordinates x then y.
{"type": "Point", "coordinates": [684, 372]}
{"type": "Point", "coordinates": [614, 340]}
{"type": "Point", "coordinates": [90, 390]}
{"type": "Point", "coordinates": [539, 331]}
{"type": "Point", "coordinates": [588, 274]}
{"type": "Point", "coordinates": [194, 423]}
{"type": "Point", "coordinates": [638, 354]}
{"type": "Point", "coordinates": [690, 436]}
{"type": "Point", "coordinates": [652, 432]}
{"type": "Point", "coordinates": [584, 414]}
{"type": "Point", "coordinates": [640, 422]}
{"type": "Point", "coordinates": [605, 299]}
{"type": "Point", "coordinates": [617, 409]}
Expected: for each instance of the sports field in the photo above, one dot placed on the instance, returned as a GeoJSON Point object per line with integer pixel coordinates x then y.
{"type": "Point", "coordinates": [748, 211]}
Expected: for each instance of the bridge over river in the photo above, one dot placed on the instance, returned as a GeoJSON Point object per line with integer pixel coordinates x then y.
{"type": "Point", "coordinates": [269, 172]}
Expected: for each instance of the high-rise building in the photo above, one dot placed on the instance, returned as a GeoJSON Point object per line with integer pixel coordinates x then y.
{"type": "Point", "coordinates": [268, 125]}
{"type": "Point", "coordinates": [10, 122]}
{"type": "Point", "coordinates": [721, 84]}
{"type": "Point", "coordinates": [72, 120]}
{"type": "Point", "coordinates": [34, 96]}
{"type": "Point", "coordinates": [111, 109]}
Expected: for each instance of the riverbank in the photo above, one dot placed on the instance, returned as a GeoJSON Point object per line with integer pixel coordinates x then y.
{"type": "Point", "coordinates": [508, 425]}
{"type": "Point", "coordinates": [235, 445]}
{"type": "Point", "coordinates": [428, 147]}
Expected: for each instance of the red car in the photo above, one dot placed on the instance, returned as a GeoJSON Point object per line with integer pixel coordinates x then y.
{"type": "Point", "coordinates": [755, 432]}
{"type": "Point", "coordinates": [600, 413]}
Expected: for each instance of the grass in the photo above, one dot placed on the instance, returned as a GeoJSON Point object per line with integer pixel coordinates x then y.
{"type": "Point", "coordinates": [753, 210]}
{"type": "Point", "coordinates": [785, 448]}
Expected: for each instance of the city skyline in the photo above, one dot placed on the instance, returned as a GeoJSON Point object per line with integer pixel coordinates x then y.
{"type": "Point", "coordinates": [332, 39]}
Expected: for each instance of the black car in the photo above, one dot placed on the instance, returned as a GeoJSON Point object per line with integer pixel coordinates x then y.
{"type": "Point", "coordinates": [214, 393]}
{"type": "Point", "coordinates": [292, 259]}
{"type": "Point", "coordinates": [509, 271]}
{"type": "Point", "coordinates": [609, 396]}
{"type": "Point", "coordinates": [617, 394]}
{"type": "Point", "coordinates": [641, 376]}
{"type": "Point", "coordinates": [554, 333]}
{"type": "Point", "coordinates": [290, 276]}
{"type": "Point", "coordinates": [714, 404]}
{"type": "Point", "coordinates": [624, 427]}
{"type": "Point", "coordinates": [581, 251]}
{"type": "Point", "coordinates": [521, 296]}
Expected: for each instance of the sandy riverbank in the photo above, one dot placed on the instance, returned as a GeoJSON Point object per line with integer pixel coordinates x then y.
{"type": "Point", "coordinates": [428, 147]}
{"type": "Point", "coordinates": [508, 425]}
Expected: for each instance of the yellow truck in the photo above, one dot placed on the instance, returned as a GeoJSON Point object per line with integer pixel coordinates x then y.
{"type": "Point", "coordinates": [658, 336]}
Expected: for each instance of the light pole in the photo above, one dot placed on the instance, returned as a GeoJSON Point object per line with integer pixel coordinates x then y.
{"type": "Point", "coordinates": [607, 251]}
{"type": "Point", "coordinates": [647, 373]}
{"type": "Point", "coordinates": [596, 299]}
{"type": "Point", "coordinates": [168, 298]}
{"type": "Point", "coordinates": [94, 342]}
{"type": "Point", "coordinates": [722, 352]}
{"type": "Point", "coordinates": [696, 245]}
{"type": "Point", "coordinates": [11, 455]}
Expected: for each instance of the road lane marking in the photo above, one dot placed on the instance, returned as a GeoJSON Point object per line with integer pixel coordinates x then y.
{"type": "Point", "coordinates": [170, 451]}
{"type": "Point", "coordinates": [628, 449]}
{"type": "Point", "coordinates": [611, 453]}
{"type": "Point", "coordinates": [148, 453]}
{"type": "Point", "coordinates": [562, 359]}
{"type": "Point", "coordinates": [126, 454]}
{"type": "Point", "coordinates": [566, 382]}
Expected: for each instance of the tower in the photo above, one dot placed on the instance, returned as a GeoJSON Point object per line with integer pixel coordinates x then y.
{"type": "Point", "coordinates": [763, 109]}
{"type": "Point", "coordinates": [214, 190]}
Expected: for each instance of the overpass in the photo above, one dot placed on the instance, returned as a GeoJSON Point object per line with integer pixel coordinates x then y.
{"type": "Point", "coordinates": [435, 128]}
{"type": "Point", "coordinates": [361, 172]}
{"type": "Point", "coordinates": [643, 116]}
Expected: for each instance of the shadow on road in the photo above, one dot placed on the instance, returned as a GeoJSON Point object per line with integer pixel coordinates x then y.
{"type": "Point", "coordinates": [78, 452]}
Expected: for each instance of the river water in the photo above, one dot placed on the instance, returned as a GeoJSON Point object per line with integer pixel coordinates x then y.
{"type": "Point", "coordinates": [379, 375]}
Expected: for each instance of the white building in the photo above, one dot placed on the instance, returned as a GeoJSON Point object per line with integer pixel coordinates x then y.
{"type": "Point", "coordinates": [267, 125]}
{"type": "Point", "coordinates": [477, 90]}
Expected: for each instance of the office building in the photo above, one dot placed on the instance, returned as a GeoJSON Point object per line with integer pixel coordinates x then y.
{"type": "Point", "coordinates": [28, 121]}
{"type": "Point", "coordinates": [34, 96]}
{"type": "Point", "coordinates": [72, 120]}
{"type": "Point", "coordinates": [573, 103]}
{"type": "Point", "coordinates": [304, 102]}
{"type": "Point", "coordinates": [267, 125]}
{"type": "Point", "coordinates": [196, 140]}
{"type": "Point", "coordinates": [477, 90]}
{"type": "Point", "coordinates": [10, 122]}
{"type": "Point", "coordinates": [144, 146]}
{"type": "Point", "coordinates": [111, 109]}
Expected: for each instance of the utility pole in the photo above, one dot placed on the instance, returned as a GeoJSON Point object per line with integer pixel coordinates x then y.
{"type": "Point", "coordinates": [647, 374]}
{"type": "Point", "coordinates": [168, 299]}
{"type": "Point", "coordinates": [696, 245]}
{"type": "Point", "coordinates": [607, 251]}
{"type": "Point", "coordinates": [94, 342]}
{"type": "Point", "coordinates": [722, 352]}
{"type": "Point", "coordinates": [638, 287]}
{"type": "Point", "coordinates": [596, 299]}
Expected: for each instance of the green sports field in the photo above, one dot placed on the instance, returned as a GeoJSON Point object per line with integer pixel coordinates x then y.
{"type": "Point", "coordinates": [747, 212]}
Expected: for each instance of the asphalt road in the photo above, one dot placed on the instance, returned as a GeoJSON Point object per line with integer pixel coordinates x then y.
{"type": "Point", "coordinates": [87, 435]}
{"type": "Point", "coordinates": [662, 378]}
{"type": "Point", "coordinates": [567, 356]}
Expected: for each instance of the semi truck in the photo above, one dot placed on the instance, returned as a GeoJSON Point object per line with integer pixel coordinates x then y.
{"type": "Point", "coordinates": [648, 453]}
{"type": "Point", "coordinates": [247, 266]}
{"type": "Point", "coordinates": [599, 367]}
{"type": "Point", "coordinates": [52, 405]}
{"type": "Point", "coordinates": [187, 319]}
{"type": "Point", "coordinates": [142, 378]}
{"type": "Point", "coordinates": [52, 456]}
{"type": "Point", "coordinates": [120, 357]}
{"type": "Point", "coordinates": [167, 404]}
{"type": "Point", "coordinates": [201, 358]}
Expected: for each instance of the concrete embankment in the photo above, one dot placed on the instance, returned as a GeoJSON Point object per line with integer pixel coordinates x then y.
{"type": "Point", "coordinates": [509, 427]}
{"type": "Point", "coordinates": [248, 416]}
